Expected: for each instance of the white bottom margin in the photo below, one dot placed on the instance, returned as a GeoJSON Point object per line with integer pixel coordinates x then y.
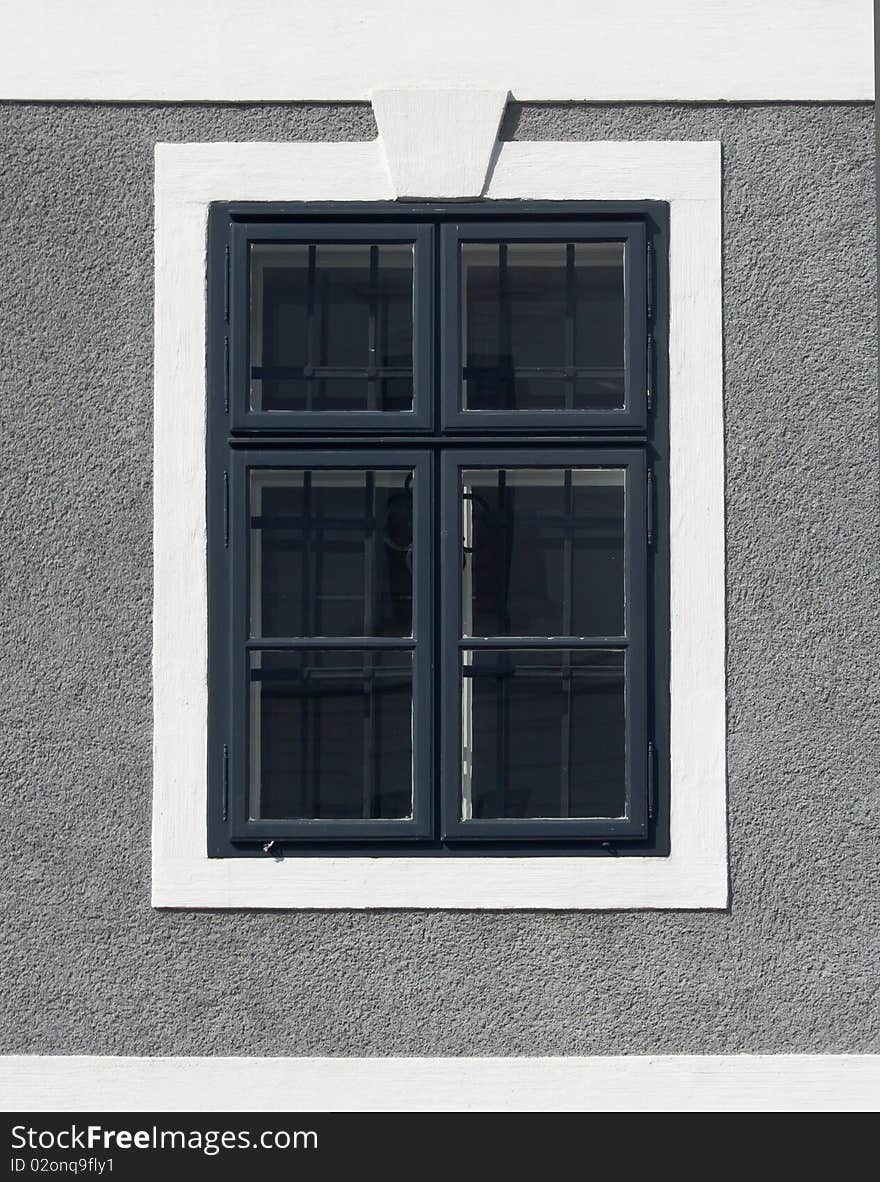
{"type": "Point", "coordinates": [627, 1083]}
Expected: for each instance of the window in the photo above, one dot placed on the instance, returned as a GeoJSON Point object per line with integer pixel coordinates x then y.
{"type": "Point", "coordinates": [437, 470]}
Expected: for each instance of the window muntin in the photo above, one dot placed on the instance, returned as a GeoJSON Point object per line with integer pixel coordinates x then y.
{"type": "Point", "coordinates": [333, 677]}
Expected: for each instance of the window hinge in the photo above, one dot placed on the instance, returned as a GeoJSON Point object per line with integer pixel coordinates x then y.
{"type": "Point", "coordinates": [226, 285]}
{"type": "Point", "coordinates": [649, 281]}
{"type": "Point", "coordinates": [225, 782]}
{"type": "Point", "coordinates": [649, 372]}
{"type": "Point", "coordinates": [651, 804]}
{"type": "Point", "coordinates": [649, 507]}
{"type": "Point", "coordinates": [226, 510]}
{"type": "Point", "coordinates": [226, 375]}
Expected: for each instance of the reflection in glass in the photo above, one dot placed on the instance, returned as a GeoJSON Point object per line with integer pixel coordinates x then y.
{"type": "Point", "coordinates": [542, 325]}
{"type": "Point", "coordinates": [331, 327]}
{"type": "Point", "coordinates": [331, 734]}
{"type": "Point", "coordinates": [331, 552]}
{"type": "Point", "coordinates": [543, 551]}
{"type": "Point", "coordinates": [544, 733]}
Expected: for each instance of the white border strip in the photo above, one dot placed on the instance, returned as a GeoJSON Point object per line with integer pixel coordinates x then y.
{"type": "Point", "coordinates": [600, 51]}
{"type": "Point", "coordinates": [624, 1083]}
{"type": "Point", "coordinates": [688, 175]}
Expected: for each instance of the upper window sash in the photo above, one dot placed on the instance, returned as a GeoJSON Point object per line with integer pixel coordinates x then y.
{"type": "Point", "coordinates": [530, 368]}
{"type": "Point", "coordinates": [331, 287]}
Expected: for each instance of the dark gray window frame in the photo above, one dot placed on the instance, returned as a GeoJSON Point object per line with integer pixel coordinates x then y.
{"type": "Point", "coordinates": [236, 437]}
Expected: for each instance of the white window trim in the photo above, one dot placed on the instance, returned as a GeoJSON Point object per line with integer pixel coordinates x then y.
{"type": "Point", "coordinates": [687, 175]}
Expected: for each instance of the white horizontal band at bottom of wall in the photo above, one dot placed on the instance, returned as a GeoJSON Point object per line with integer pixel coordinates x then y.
{"type": "Point", "coordinates": [627, 1083]}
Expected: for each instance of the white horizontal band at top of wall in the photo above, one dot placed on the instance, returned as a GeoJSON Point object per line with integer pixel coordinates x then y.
{"type": "Point", "coordinates": [588, 50]}
{"type": "Point", "coordinates": [621, 1083]}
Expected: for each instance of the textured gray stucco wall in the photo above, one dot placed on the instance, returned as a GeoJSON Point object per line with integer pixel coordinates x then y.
{"type": "Point", "coordinates": [88, 967]}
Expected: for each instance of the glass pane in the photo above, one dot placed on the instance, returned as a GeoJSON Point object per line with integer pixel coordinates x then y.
{"type": "Point", "coordinates": [543, 551]}
{"type": "Point", "coordinates": [544, 733]}
{"type": "Point", "coordinates": [542, 325]}
{"type": "Point", "coordinates": [331, 552]}
{"type": "Point", "coordinates": [331, 734]}
{"type": "Point", "coordinates": [331, 327]}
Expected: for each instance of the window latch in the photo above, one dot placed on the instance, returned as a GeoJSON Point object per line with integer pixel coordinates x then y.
{"type": "Point", "coordinates": [272, 847]}
{"type": "Point", "coordinates": [226, 510]}
{"type": "Point", "coordinates": [225, 782]}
